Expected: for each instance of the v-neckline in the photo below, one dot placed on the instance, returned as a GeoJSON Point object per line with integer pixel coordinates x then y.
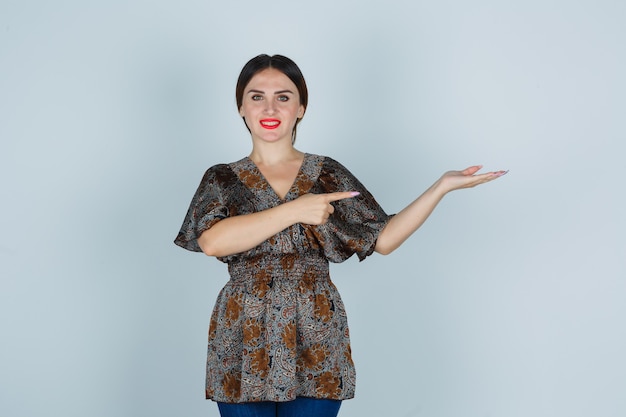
{"type": "Point", "coordinates": [293, 183]}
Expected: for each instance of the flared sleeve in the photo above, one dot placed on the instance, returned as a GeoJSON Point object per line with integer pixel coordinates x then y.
{"type": "Point", "coordinates": [207, 208]}
{"type": "Point", "coordinates": [356, 222]}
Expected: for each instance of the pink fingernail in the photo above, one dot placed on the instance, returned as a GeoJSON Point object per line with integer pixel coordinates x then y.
{"type": "Point", "coordinates": [354, 193]}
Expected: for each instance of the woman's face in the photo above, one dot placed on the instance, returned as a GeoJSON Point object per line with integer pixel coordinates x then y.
{"type": "Point", "coordinates": [271, 106]}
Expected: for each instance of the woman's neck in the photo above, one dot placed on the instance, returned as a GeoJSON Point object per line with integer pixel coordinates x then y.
{"type": "Point", "coordinates": [274, 153]}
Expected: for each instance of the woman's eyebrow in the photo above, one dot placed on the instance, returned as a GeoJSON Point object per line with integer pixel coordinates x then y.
{"type": "Point", "coordinates": [275, 92]}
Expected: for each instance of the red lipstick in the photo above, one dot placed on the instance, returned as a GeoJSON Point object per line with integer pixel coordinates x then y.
{"type": "Point", "coordinates": [270, 123]}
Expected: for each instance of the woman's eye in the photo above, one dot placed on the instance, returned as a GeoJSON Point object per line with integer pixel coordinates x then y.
{"type": "Point", "coordinates": [283, 98]}
{"type": "Point", "coordinates": [257, 97]}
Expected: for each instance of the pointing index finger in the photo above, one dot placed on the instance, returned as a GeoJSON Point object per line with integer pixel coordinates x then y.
{"type": "Point", "coordinates": [340, 195]}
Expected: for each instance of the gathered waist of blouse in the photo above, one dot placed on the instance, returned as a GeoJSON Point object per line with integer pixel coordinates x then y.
{"type": "Point", "coordinates": [309, 266]}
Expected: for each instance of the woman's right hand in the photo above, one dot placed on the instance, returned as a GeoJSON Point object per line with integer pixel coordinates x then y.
{"type": "Point", "coordinates": [315, 209]}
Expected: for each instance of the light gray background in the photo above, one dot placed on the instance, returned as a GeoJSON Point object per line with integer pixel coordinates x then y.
{"type": "Point", "coordinates": [509, 302]}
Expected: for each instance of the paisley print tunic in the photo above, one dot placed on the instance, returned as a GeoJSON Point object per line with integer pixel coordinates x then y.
{"type": "Point", "coordinates": [279, 328]}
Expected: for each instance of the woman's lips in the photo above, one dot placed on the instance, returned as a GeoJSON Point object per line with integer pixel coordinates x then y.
{"type": "Point", "coordinates": [270, 123]}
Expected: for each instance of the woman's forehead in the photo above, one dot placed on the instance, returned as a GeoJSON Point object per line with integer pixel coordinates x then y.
{"type": "Point", "coordinates": [272, 80]}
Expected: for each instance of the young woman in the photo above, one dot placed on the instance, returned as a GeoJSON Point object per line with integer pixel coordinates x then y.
{"type": "Point", "coordinates": [278, 338]}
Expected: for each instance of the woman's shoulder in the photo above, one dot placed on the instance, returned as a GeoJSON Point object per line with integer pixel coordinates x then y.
{"type": "Point", "coordinates": [219, 174]}
{"type": "Point", "coordinates": [225, 167]}
{"type": "Point", "coordinates": [332, 175]}
{"type": "Point", "coordinates": [216, 170]}
{"type": "Point", "coordinates": [323, 160]}
{"type": "Point", "coordinates": [329, 164]}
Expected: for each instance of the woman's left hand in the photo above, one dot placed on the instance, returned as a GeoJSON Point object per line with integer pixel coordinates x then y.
{"type": "Point", "coordinates": [456, 180]}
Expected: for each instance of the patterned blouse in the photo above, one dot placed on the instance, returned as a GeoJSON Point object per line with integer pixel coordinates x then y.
{"type": "Point", "coordinates": [279, 328]}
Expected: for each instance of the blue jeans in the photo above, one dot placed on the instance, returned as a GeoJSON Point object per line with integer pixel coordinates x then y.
{"type": "Point", "coordinates": [300, 407]}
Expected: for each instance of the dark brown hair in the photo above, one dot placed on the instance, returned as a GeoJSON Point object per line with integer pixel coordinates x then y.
{"type": "Point", "coordinates": [280, 63]}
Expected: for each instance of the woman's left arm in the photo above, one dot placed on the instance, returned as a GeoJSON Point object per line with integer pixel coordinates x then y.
{"type": "Point", "coordinates": [407, 221]}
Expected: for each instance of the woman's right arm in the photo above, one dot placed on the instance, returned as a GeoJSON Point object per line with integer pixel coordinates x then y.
{"type": "Point", "coordinates": [240, 233]}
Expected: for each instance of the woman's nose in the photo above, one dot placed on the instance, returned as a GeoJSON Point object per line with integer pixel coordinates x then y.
{"type": "Point", "coordinates": [270, 106]}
